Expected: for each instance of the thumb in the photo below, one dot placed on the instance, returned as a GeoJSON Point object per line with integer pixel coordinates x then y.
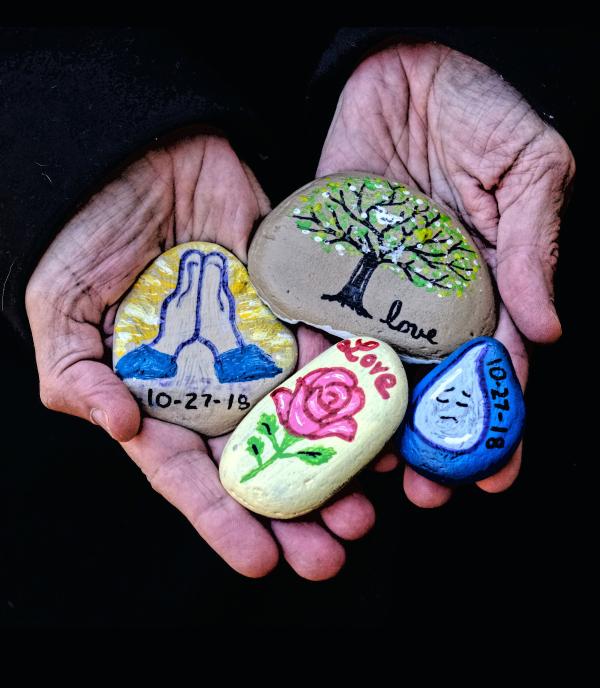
{"type": "Point", "coordinates": [72, 378]}
{"type": "Point", "coordinates": [530, 199]}
{"type": "Point", "coordinates": [90, 390]}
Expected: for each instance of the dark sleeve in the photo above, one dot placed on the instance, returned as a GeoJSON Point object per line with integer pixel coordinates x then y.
{"type": "Point", "coordinates": [75, 104]}
{"type": "Point", "coordinates": [537, 61]}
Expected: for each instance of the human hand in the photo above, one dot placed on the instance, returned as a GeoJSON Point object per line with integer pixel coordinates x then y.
{"type": "Point", "coordinates": [440, 121]}
{"type": "Point", "coordinates": [193, 190]}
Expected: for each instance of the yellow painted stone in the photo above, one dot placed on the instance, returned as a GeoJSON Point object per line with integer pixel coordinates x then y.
{"type": "Point", "coordinates": [311, 435]}
{"type": "Point", "coordinates": [195, 344]}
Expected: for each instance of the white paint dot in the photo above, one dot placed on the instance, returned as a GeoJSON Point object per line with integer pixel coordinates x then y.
{"type": "Point", "coordinates": [418, 269]}
{"type": "Point", "coordinates": [306, 231]}
{"type": "Point", "coordinates": [468, 273]}
{"type": "Point", "coordinates": [326, 224]}
{"type": "Point", "coordinates": [449, 242]}
{"type": "Point", "coordinates": [325, 194]}
{"type": "Point", "coordinates": [429, 286]}
{"type": "Point", "coordinates": [419, 201]}
{"type": "Point", "coordinates": [363, 214]}
{"type": "Point", "coordinates": [296, 211]}
{"type": "Point", "coordinates": [406, 192]}
{"type": "Point", "coordinates": [352, 187]}
{"type": "Point", "coordinates": [437, 224]}
{"type": "Point", "coordinates": [419, 245]}
{"type": "Point", "coordinates": [475, 262]}
{"type": "Point", "coordinates": [318, 238]}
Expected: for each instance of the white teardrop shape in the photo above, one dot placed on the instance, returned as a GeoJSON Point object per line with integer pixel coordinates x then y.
{"type": "Point", "coordinates": [452, 414]}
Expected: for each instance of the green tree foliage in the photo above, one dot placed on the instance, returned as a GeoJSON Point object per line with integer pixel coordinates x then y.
{"type": "Point", "coordinates": [388, 226]}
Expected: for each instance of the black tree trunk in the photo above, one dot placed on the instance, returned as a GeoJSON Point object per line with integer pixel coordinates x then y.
{"type": "Point", "coordinates": [353, 291]}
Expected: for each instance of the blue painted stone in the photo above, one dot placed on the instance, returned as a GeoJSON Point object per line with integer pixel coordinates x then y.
{"type": "Point", "coordinates": [466, 416]}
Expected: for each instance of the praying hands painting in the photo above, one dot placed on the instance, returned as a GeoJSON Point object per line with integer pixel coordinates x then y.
{"type": "Point", "coordinates": [194, 342]}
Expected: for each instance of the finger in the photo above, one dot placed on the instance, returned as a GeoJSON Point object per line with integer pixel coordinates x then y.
{"type": "Point", "coordinates": [530, 201]}
{"type": "Point", "coordinates": [350, 516]}
{"type": "Point", "coordinates": [509, 335]}
{"type": "Point", "coordinates": [386, 463]}
{"type": "Point", "coordinates": [309, 549]}
{"type": "Point", "coordinates": [424, 492]}
{"type": "Point", "coordinates": [506, 476]}
{"type": "Point", "coordinates": [387, 460]}
{"type": "Point", "coordinates": [217, 444]}
{"type": "Point", "coordinates": [178, 467]}
{"type": "Point", "coordinates": [311, 343]}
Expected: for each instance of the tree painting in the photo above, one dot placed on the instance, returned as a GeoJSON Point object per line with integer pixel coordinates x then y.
{"type": "Point", "coordinates": [389, 227]}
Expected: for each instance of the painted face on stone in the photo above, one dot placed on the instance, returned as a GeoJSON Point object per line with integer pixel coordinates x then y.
{"type": "Point", "coordinates": [452, 412]}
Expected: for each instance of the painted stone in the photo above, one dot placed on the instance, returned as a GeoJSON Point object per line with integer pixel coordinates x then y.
{"type": "Point", "coordinates": [304, 441]}
{"type": "Point", "coordinates": [195, 344]}
{"type": "Point", "coordinates": [354, 254]}
{"type": "Point", "coordinates": [466, 416]}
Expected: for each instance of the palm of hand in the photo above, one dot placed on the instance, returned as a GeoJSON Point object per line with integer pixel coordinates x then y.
{"type": "Point", "coordinates": [440, 121]}
{"type": "Point", "coordinates": [196, 189]}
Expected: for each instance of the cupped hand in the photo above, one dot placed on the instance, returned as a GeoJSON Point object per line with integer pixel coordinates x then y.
{"type": "Point", "coordinates": [193, 190]}
{"type": "Point", "coordinates": [440, 121]}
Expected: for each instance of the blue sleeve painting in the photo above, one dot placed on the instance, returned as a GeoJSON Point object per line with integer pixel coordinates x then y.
{"type": "Point", "coordinates": [466, 417]}
{"type": "Point", "coordinates": [242, 363]}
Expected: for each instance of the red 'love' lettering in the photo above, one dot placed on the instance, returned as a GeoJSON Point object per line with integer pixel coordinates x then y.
{"type": "Point", "coordinates": [378, 368]}
{"type": "Point", "coordinates": [348, 350]}
{"type": "Point", "coordinates": [384, 381]}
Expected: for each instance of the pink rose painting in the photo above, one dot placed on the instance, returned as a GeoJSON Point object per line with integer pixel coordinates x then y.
{"type": "Point", "coordinates": [323, 404]}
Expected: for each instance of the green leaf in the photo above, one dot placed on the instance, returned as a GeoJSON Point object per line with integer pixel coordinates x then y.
{"type": "Point", "coordinates": [316, 455]}
{"type": "Point", "coordinates": [267, 424]}
{"type": "Point", "coordinates": [255, 448]}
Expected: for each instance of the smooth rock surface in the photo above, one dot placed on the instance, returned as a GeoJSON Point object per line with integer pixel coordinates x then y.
{"type": "Point", "coordinates": [355, 254]}
{"type": "Point", "coordinates": [304, 441]}
{"type": "Point", "coordinates": [195, 344]}
{"type": "Point", "coordinates": [466, 416]}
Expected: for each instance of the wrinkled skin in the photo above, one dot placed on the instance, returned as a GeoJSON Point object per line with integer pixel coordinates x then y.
{"type": "Point", "coordinates": [438, 120]}
{"type": "Point", "coordinates": [453, 140]}
{"type": "Point", "coordinates": [194, 190]}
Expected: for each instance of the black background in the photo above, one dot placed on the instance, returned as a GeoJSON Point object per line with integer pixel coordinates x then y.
{"type": "Point", "coordinates": [84, 541]}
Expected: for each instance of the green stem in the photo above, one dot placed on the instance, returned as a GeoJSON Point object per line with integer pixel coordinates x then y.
{"type": "Point", "coordinates": [288, 440]}
{"type": "Point", "coordinates": [279, 454]}
{"type": "Point", "coordinates": [258, 469]}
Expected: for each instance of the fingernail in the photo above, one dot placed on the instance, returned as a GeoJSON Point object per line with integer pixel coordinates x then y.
{"type": "Point", "coordinates": [99, 417]}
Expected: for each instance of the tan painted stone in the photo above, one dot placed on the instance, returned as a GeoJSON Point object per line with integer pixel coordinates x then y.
{"type": "Point", "coordinates": [195, 344]}
{"type": "Point", "coordinates": [311, 435]}
{"type": "Point", "coordinates": [343, 254]}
